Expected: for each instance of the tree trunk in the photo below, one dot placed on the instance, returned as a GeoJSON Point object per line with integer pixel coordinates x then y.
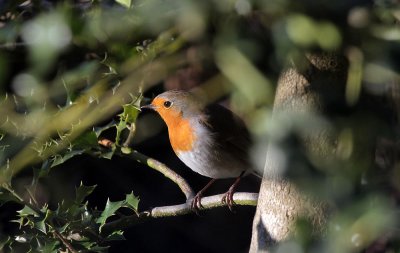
{"type": "Point", "coordinates": [317, 88]}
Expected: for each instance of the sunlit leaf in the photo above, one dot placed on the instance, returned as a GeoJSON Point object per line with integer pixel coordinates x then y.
{"type": "Point", "coordinates": [126, 3]}
{"type": "Point", "coordinates": [109, 210]}
{"type": "Point", "coordinates": [130, 113]}
{"type": "Point", "coordinates": [132, 201]}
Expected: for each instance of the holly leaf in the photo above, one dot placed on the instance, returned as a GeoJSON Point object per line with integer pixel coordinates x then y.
{"type": "Point", "coordinates": [27, 211]}
{"type": "Point", "coordinates": [130, 113]}
{"type": "Point", "coordinates": [120, 127]}
{"type": "Point", "coordinates": [60, 159]}
{"type": "Point", "coordinates": [41, 224]}
{"type": "Point", "coordinates": [82, 192]}
{"type": "Point", "coordinates": [49, 247]}
{"type": "Point", "coordinates": [132, 202]}
{"type": "Point", "coordinates": [109, 210]}
{"type": "Point", "coordinates": [100, 130]}
{"type": "Point", "coordinates": [87, 140]}
{"type": "Point", "coordinates": [115, 236]}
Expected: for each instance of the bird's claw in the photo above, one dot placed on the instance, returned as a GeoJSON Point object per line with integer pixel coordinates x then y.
{"type": "Point", "coordinates": [196, 203]}
{"type": "Point", "coordinates": [228, 199]}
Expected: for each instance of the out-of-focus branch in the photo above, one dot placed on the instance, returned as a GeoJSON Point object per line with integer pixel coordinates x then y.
{"type": "Point", "coordinates": [240, 198]}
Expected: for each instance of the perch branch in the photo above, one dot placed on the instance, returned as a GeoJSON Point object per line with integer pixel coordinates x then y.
{"type": "Point", "coordinates": [240, 198]}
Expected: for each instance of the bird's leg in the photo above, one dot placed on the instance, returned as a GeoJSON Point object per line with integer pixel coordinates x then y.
{"type": "Point", "coordinates": [196, 203]}
{"type": "Point", "coordinates": [228, 197]}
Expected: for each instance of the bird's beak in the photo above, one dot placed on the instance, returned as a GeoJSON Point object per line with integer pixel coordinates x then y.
{"type": "Point", "coordinates": [149, 106]}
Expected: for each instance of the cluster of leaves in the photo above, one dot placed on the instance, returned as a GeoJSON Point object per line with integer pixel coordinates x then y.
{"type": "Point", "coordinates": [52, 105]}
{"type": "Point", "coordinates": [73, 225]}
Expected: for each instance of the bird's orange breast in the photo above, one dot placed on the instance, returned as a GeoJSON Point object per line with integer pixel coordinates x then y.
{"type": "Point", "coordinates": [181, 135]}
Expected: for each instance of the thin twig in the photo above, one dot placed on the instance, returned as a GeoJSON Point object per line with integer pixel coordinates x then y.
{"type": "Point", "coordinates": [129, 139]}
{"type": "Point", "coordinates": [65, 241]}
{"type": "Point", "coordinates": [20, 199]}
{"type": "Point", "coordinates": [240, 198]}
{"type": "Point", "coordinates": [154, 164]}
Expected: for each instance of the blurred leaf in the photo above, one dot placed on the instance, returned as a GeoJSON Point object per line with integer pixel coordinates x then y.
{"type": "Point", "coordinates": [6, 197]}
{"type": "Point", "coordinates": [82, 192]}
{"type": "Point", "coordinates": [109, 210]}
{"type": "Point", "coordinates": [41, 172]}
{"type": "Point", "coordinates": [126, 3]}
{"type": "Point", "coordinates": [126, 150]}
{"type": "Point", "coordinates": [115, 236]}
{"type": "Point", "coordinates": [4, 241]}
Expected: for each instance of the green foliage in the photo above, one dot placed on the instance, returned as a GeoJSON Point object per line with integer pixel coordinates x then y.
{"type": "Point", "coordinates": [131, 202]}
{"type": "Point", "coordinates": [74, 220]}
{"type": "Point", "coordinates": [68, 68]}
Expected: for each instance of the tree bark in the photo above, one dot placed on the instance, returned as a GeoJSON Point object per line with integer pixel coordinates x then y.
{"type": "Point", "coordinates": [316, 87]}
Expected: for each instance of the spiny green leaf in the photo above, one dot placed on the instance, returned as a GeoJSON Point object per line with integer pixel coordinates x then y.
{"type": "Point", "coordinates": [132, 201]}
{"type": "Point", "coordinates": [85, 141]}
{"type": "Point", "coordinates": [120, 127]}
{"type": "Point", "coordinates": [115, 236]}
{"type": "Point", "coordinates": [109, 210]}
{"type": "Point", "coordinates": [41, 226]}
{"type": "Point", "coordinates": [60, 159]}
{"type": "Point", "coordinates": [82, 192]}
{"type": "Point", "coordinates": [50, 247]}
{"type": "Point", "coordinates": [130, 113]}
{"type": "Point", "coordinates": [27, 211]}
{"type": "Point", "coordinates": [100, 130]}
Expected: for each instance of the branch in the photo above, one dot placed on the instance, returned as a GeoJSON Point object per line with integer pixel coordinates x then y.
{"type": "Point", "coordinates": [154, 164]}
{"type": "Point", "coordinates": [240, 198]}
{"type": "Point", "coordinates": [64, 241]}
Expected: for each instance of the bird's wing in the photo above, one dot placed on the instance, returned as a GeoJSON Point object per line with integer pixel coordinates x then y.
{"type": "Point", "coordinates": [230, 131]}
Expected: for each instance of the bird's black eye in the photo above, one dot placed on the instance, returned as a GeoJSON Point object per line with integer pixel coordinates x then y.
{"type": "Point", "coordinates": [167, 104]}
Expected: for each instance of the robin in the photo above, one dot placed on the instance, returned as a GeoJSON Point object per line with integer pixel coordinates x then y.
{"type": "Point", "coordinates": [210, 139]}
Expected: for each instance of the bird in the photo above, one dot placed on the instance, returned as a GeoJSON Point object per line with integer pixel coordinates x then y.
{"type": "Point", "coordinates": [209, 139]}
